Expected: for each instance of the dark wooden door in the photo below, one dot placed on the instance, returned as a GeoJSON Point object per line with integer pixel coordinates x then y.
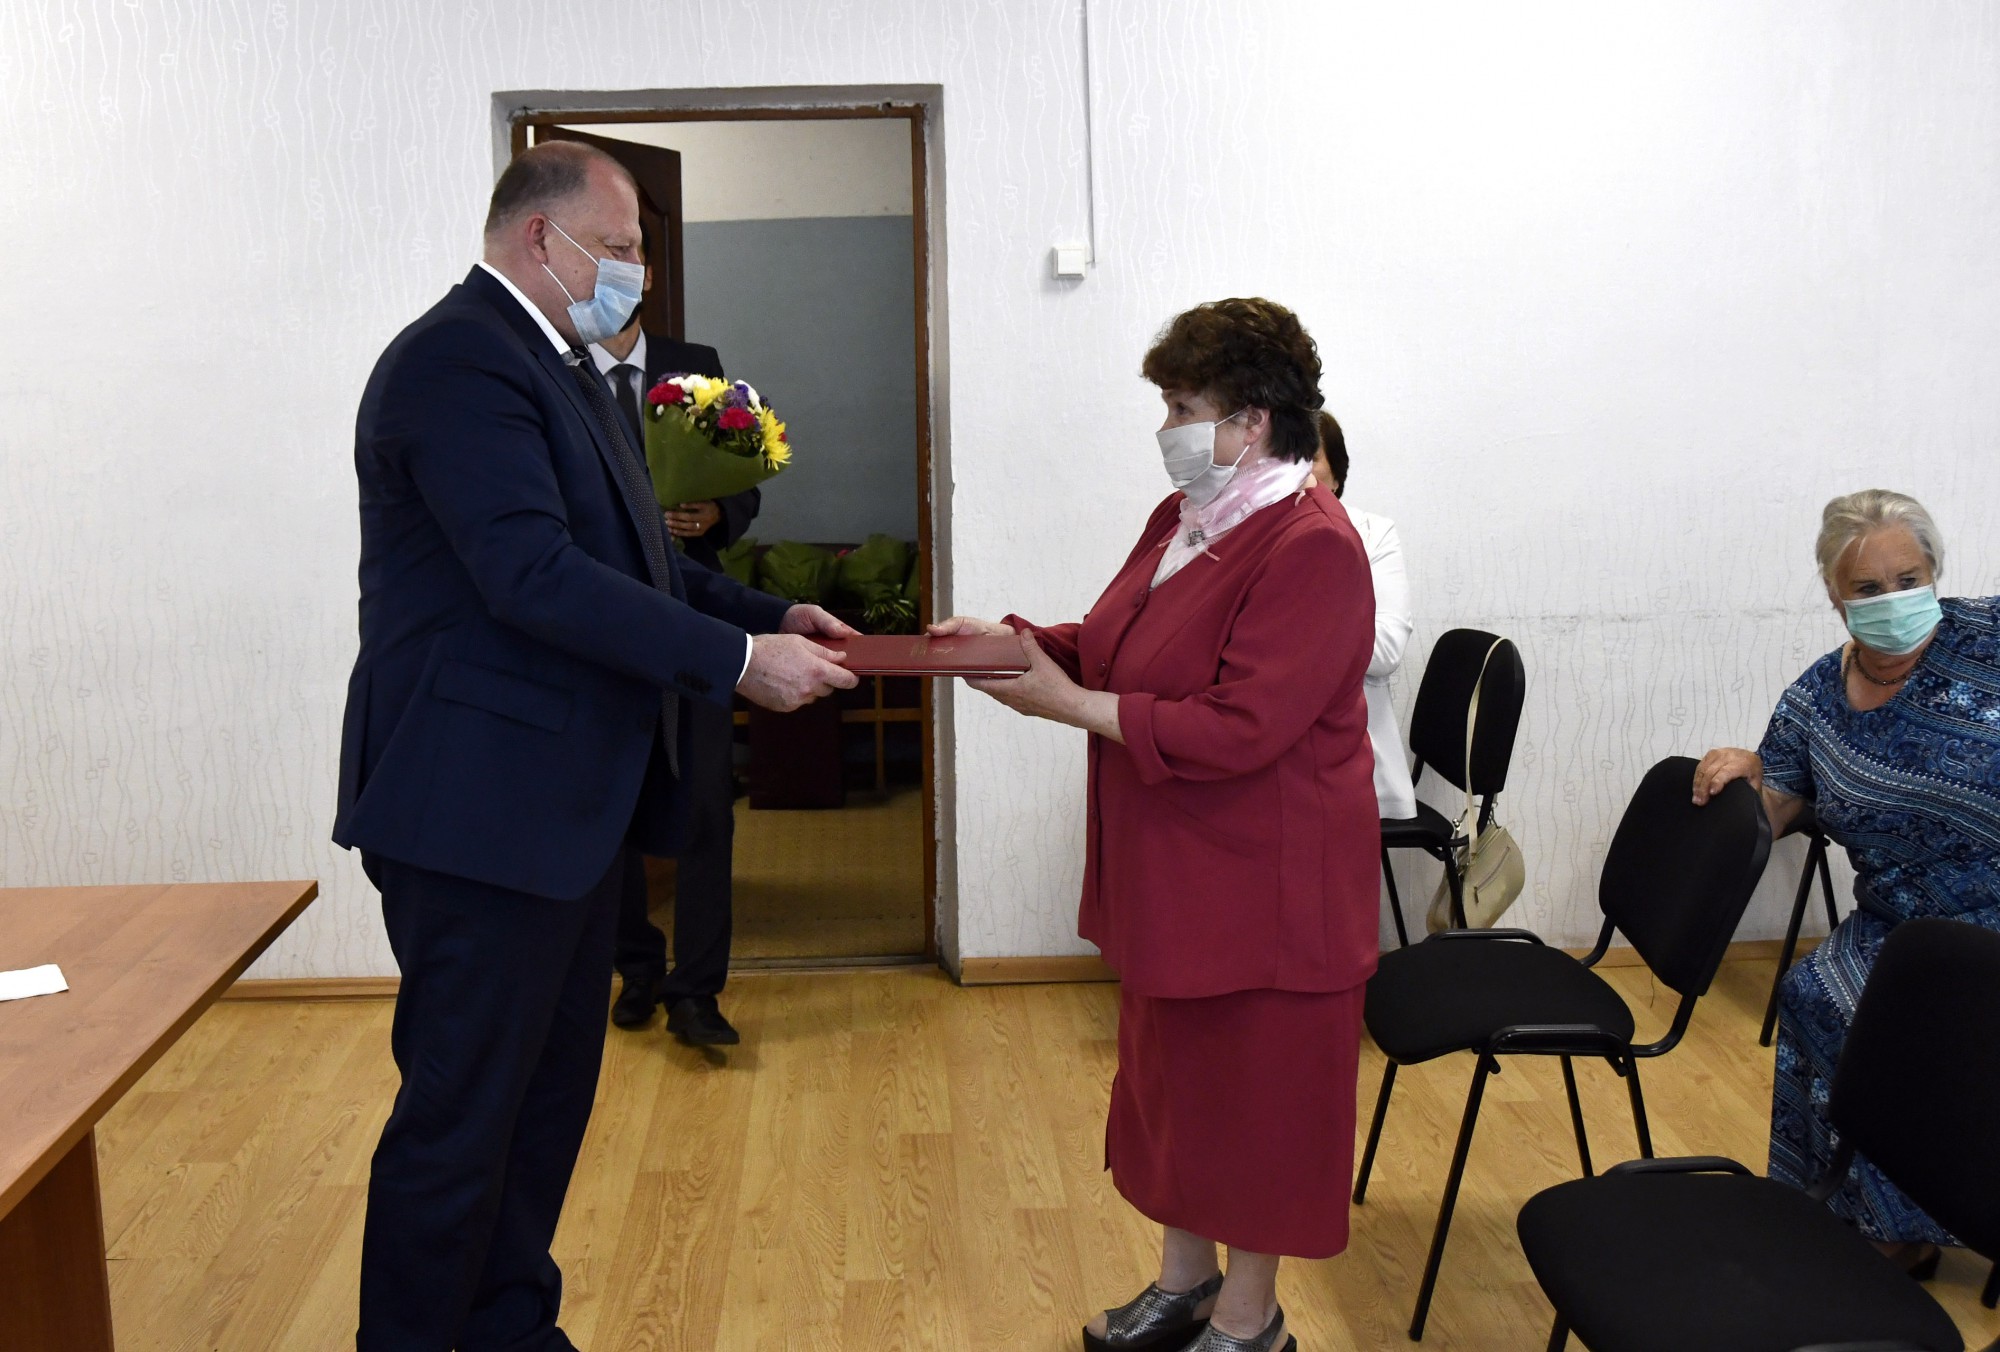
{"type": "Point", "coordinates": [658, 171]}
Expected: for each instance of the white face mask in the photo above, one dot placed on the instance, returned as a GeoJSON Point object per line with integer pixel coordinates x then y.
{"type": "Point", "coordinates": [1189, 454]}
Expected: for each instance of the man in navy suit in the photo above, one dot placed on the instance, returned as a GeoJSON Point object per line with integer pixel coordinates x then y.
{"type": "Point", "coordinates": [514, 729]}
{"type": "Point", "coordinates": [632, 362]}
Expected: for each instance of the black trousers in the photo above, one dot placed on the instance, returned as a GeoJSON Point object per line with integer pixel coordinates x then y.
{"type": "Point", "coordinates": [498, 1033]}
{"type": "Point", "coordinates": [702, 901]}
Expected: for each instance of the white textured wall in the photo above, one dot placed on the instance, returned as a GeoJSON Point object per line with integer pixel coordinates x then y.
{"type": "Point", "coordinates": [1611, 297]}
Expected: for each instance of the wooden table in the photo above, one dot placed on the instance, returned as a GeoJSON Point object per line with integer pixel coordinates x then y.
{"type": "Point", "coordinates": [142, 964]}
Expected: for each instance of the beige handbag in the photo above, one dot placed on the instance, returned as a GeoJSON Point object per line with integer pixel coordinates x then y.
{"type": "Point", "coordinates": [1490, 867]}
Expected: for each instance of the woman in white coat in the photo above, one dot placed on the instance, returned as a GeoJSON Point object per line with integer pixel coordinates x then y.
{"type": "Point", "coordinates": [1394, 792]}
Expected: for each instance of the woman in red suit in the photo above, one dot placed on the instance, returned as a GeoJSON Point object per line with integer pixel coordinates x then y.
{"type": "Point", "coordinates": [1232, 849]}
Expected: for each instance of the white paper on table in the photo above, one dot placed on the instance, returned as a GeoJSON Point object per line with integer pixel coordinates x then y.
{"type": "Point", "coordinates": [44, 980]}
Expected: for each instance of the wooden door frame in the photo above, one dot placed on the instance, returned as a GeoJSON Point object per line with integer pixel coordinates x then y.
{"type": "Point", "coordinates": [922, 107]}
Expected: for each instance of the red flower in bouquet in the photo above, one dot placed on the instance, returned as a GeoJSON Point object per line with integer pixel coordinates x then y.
{"type": "Point", "coordinates": [736, 420]}
{"type": "Point", "coordinates": [666, 392]}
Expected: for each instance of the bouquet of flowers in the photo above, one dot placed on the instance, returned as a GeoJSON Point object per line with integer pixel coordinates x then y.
{"type": "Point", "coordinates": [708, 438]}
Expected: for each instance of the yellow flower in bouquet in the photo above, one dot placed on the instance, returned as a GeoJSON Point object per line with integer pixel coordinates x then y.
{"type": "Point", "coordinates": [777, 453]}
{"type": "Point", "coordinates": [705, 391]}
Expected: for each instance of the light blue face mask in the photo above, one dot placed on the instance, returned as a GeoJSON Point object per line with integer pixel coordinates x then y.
{"type": "Point", "coordinates": [619, 288]}
{"type": "Point", "coordinates": [1895, 623]}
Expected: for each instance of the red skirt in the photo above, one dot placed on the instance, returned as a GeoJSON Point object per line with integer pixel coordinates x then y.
{"type": "Point", "coordinates": [1232, 1116]}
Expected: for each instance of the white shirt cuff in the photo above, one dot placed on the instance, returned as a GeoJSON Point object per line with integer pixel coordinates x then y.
{"type": "Point", "coordinates": [749, 647]}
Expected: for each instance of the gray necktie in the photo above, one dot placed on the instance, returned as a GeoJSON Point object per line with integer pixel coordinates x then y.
{"type": "Point", "coordinates": [637, 489]}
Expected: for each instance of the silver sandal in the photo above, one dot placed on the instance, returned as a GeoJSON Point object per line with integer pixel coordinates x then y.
{"type": "Point", "coordinates": [1154, 1320]}
{"type": "Point", "coordinates": [1213, 1339]}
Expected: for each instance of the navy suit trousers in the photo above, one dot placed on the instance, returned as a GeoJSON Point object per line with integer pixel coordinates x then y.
{"type": "Point", "coordinates": [703, 900]}
{"type": "Point", "coordinates": [499, 1031]}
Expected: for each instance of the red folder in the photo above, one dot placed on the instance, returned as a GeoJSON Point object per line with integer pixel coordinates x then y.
{"type": "Point", "coordinates": [987, 655]}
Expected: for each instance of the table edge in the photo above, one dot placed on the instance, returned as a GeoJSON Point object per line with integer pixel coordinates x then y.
{"type": "Point", "coordinates": [86, 1122]}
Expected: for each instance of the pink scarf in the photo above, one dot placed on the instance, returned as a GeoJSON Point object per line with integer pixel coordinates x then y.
{"type": "Point", "coordinates": [1248, 491]}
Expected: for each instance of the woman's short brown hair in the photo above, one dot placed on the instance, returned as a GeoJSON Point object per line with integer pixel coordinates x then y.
{"type": "Point", "coordinates": [1334, 442]}
{"type": "Point", "coordinates": [1243, 353]}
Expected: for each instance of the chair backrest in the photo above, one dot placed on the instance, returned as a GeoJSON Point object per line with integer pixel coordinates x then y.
{"type": "Point", "coordinates": [1437, 723]}
{"type": "Point", "coordinates": [1917, 1090]}
{"type": "Point", "coordinates": [1677, 876]}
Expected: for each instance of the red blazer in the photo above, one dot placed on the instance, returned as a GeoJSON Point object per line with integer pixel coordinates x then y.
{"type": "Point", "coordinates": [1233, 842]}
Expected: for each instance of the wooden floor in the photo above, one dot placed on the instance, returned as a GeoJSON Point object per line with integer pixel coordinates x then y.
{"type": "Point", "coordinates": [833, 883]}
{"type": "Point", "coordinates": [888, 1162]}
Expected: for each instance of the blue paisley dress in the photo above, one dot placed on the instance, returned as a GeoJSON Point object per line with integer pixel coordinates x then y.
{"type": "Point", "coordinates": [1912, 789]}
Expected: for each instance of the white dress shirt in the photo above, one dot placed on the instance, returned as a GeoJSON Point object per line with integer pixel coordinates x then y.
{"type": "Point", "coordinates": [1394, 792]}
{"type": "Point", "coordinates": [561, 345]}
{"type": "Point", "coordinates": [605, 361]}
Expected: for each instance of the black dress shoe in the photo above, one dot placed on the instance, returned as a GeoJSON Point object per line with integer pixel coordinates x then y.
{"type": "Point", "coordinates": [697, 1021]}
{"type": "Point", "coordinates": [634, 1006]}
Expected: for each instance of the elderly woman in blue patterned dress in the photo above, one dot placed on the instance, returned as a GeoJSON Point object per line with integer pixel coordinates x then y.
{"type": "Point", "coordinates": [1895, 741]}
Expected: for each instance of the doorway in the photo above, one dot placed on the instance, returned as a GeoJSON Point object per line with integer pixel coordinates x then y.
{"type": "Point", "coordinates": [795, 242]}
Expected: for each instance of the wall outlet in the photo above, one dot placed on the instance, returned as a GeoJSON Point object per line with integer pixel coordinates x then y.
{"type": "Point", "coordinates": [1069, 260]}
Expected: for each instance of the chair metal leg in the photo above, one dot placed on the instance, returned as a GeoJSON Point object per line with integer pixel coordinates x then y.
{"type": "Point", "coordinates": [1815, 859]}
{"type": "Point", "coordinates": [1457, 891]}
{"type": "Point", "coordinates": [1631, 1073]}
{"type": "Point", "coordinates": [1826, 887]}
{"type": "Point", "coordinates": [1559, 1335]}
{"type": "Point", "coordinates": [1375, 1132]}
{"type": "Point", "coordinates": [1395, 901]}
{"type": "Point", "coordinates": [1484, 1067]}
{"type": "Point", "coordinates": [1576, 1116]}
{"type": "Point", "coordinates": [1990, 1297]}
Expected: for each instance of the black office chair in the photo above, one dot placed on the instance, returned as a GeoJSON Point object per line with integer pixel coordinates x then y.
{"type": "Point", "coordinates": [1807, 825]}
{"type": "Point", "coordinates": [1675, 881]}
{"type": "Point", "coordinates": [1437, 737]}
{"type": "Point", "coordinates": [1700, 1253]}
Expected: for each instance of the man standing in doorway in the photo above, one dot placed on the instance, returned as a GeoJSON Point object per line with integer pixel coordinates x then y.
{"type": "Point", "coordinates": [632, 361]}
{"type": "Point", "coordinates": [515, 728]}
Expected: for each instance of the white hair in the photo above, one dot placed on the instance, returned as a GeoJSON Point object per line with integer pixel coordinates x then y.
{"type": "Point", "coordinates": [1853, 515]}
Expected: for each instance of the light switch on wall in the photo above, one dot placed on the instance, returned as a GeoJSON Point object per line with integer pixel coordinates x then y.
{"type": "Point", "coordinates": [1070, 260]}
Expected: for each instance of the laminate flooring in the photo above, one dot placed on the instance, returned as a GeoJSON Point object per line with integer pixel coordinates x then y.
{"type": "Point", "coordinates": [889, 1161]}
{"type": "Point", "coordinates": [829, 884]}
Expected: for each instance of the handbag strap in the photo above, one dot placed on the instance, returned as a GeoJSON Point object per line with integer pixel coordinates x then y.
{"type": "Point", "coordinates": [1469, 823]}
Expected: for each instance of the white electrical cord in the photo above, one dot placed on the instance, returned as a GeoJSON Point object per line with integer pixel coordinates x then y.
{"type": "Point", "coordinates": [1089, 133]}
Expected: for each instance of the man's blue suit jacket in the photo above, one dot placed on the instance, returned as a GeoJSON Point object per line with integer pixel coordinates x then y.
{"type": "Point", "coordinates": [504, 710]}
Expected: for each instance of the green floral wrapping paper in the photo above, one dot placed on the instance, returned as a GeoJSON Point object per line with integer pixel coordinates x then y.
{"type": "Point", "coordinates": [688, 467]}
